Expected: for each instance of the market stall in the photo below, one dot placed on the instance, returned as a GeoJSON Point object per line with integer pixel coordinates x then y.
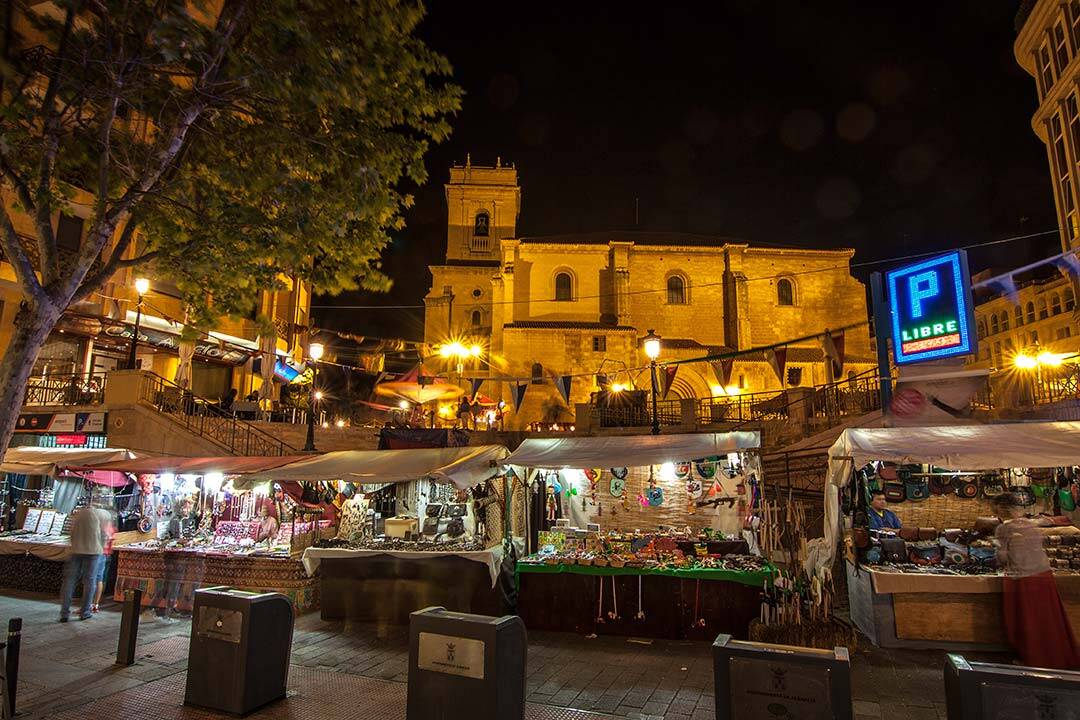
{"type": "Point", "coordinates": [656, 536]}
{"type": "Point", "coordinates": [239, 531]}
{"type": "Point", "coordinates": [935, 582]}
{"type": "Point", "coordinates": [412, 534]}
{"type": "Point", "coordinates": [38, 491]}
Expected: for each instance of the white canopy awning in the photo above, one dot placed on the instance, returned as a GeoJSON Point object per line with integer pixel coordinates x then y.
{"type": "Point", "coordinates": [49, 461]}
{"type": "Point", "coordinates": [628, 451]}
{"type": "Point", "coordinates": [462, 466]}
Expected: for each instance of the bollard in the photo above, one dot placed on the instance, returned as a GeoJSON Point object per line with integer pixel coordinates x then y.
{"type": "Point", "coordinates": [11, 663]}
{"type": "Point", "coordinates": [129, 627]}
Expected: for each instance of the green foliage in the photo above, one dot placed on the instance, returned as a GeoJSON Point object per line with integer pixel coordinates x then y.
{"type": "Point", "coordinates": [283, 135]}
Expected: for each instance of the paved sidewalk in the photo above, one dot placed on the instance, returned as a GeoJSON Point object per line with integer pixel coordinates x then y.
{"type": "Point", "coordinates": [359, 671]}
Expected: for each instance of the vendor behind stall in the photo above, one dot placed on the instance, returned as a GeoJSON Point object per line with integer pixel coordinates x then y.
{"type": "Point", "coordinates": [881, 518]}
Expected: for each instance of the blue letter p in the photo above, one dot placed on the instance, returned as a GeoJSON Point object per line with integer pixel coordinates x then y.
{"type": "Point", "coordinates": [921, 287]}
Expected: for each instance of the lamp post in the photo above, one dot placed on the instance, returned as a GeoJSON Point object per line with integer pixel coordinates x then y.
{"type": "Point", "coordinates": [142, 286]}
{"type": "Point", "coordinates": [651, 343]}
{"type": "Point", "coordinates": [315, 352]}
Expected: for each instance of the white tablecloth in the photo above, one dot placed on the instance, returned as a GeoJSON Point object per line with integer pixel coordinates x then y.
{"type": "Point", "coordinates": [56, 551]}
{"type": "Point", "coordinates": [491, 557]}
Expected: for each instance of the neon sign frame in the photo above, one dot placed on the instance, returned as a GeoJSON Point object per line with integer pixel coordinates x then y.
{"type": "Point", "coordinates": [905, 307]}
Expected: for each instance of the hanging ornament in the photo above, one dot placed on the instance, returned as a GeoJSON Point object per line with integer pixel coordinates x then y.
{"type": "Point", "coordinates": [682, 470]}
{"type": "Point", "coordinates": [654, 494]}
{"type": "Point", "coordinates": [706, 468]}
{"type": "Point", "coordinates": [617, 486]}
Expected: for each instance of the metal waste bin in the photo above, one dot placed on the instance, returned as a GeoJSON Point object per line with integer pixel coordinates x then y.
{"type": "Point", "coordinates": [240, 644]}
{"type": "Point", "coordinates": [760, 680]}
{"type": "Point", "coordinates": [467, 667]}
{"type": "Point", "coordinates": [989, 691]}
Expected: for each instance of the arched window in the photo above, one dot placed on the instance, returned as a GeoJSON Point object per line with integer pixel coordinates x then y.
{"type": "Point", "coordinates": [537, 374]}
{"type": "Point", "coordinates": [676, 290]}
{"type": "Point", "coordinates": [982, 329]}
{"type": "Point", "coordinates": [477, 318]}
{"type": "Point", "coordinates": [993, 324]}
{"type": "Point", "coordinates": [1031, 312]}
{"type": "Point", "coordinates": [1055, 304]}
{"type": "Point", "coordinates": [1018, 315]}
{"type": "Point", "coordinates": [564, 287]}
{"type": "Point", "coordinates": [1043, 314]}
{"type": "Point", "coordinates": [1004, 319]}
{"type": "Point", "coordinates": [481, 224]}
{"type": "Point", "coordinates": [1070, 300]}
{"type": "Point", "coordinates": [785, 292]}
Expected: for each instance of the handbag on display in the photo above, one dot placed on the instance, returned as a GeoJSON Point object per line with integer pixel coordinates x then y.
{"type": "Point", "coordinates": [887, 473]}
{"type": "Point", "coordinates": [910, 534]}
{"type": "Point", "coordinates": [992, 489]}
{"type": "Point", "coordinates": [1065, 500]}
{"type": "Point", "coordinates": [894, 549]}
{"type": "Point", "coordinates": [925, 553]}
{"type": "Point", "coordinates": [1024, 496]}
{"type": "Point", "coordinates": [860, 538]}
{"type": "Point", "coordinates": [986, 525]}
{"type": "Point", "coordinates": [928, 533]}
{"type": "Point", "coordinates": [967, 489]}
{"type": "Point", "coordinates": [916, 489]}
{"type": "Point", "coordinates": [895, 492]}
{"type": "Point", "coordinates": [940, 484]}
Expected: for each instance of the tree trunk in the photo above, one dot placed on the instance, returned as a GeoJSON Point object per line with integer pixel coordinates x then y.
{"type": "Point", "coordinates": [32, 328]}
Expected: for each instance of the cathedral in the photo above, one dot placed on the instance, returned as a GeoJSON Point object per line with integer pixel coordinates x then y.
{"type": "Point", "coordinates": [580, 304]}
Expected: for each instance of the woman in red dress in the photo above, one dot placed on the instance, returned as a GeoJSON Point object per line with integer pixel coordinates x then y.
{"type": "Point", "coordinates": [1035, 619]}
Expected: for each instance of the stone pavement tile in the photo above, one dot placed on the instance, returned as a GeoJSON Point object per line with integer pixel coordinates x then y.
{"type": "Point", "coordinates": [654, 707]}
{"type": "Point", "coordinates": [913, 712]}
{"type": "Point", "coordinates": [676, 716]}
{"type": "Point", "coordinates": [701, 713]}
{"type": "Point", "coordinates": [684, 707]}
{"type": "Point", "coordinates": [564, 698]}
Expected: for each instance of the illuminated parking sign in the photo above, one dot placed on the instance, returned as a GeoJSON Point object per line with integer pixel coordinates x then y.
{"type": "Point", "coordinates": [931, 309]}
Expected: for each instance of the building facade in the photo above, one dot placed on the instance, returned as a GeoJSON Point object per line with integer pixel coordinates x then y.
{"type": "Point", "coordinates": [1048, 46]}
{"type": "Point", "coordinates": [580, 304]}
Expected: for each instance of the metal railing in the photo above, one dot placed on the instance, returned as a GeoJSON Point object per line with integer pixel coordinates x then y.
{"type": "Point", "coordinates": [668, 413]}
{"type": "Point", "coordinates": [208, 420]}
{"type": "Point", "coordinates": [742, 408]}
{"type": "Point", "coordinates": [1051, 385]}
{"type": "Point", "coordinates": [65, 389]}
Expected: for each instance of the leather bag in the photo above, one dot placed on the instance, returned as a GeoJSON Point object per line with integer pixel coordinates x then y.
{"type": "Point", "coordinates": [895, 492]}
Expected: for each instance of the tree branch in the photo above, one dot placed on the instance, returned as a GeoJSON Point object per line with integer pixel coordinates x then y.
{"type": "Point", "coordinates": [15, 254]}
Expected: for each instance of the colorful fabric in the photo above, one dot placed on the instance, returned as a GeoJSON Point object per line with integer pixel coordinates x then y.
{"type": "Point", "coordinates": [1036, 623]}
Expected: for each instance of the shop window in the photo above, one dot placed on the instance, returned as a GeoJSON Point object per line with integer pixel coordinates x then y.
{"type": "Point", "coordinates": [1031, 312]}
{"type": "Point", "coordinates": [599, 343]}
{"type": "Point", "coordinates": [1034, 337]}
{"type": "Point", "coordinates": [564, 287]}
{"type": "Point", "coordinates": [1018, 316]}
{"type": "Point", "coordinates": [676, 290]}
{"type": "Point", "coordinates": [993, 325]}
{"type": "Point", "coordinates": [1055, 304]}
{"type": "Point", "coordinates": [1072, 114]}
{"type": "Point", "coordinates": [1043, 313]}
{"type": "Point", "coordinates": [477, 318]}
{"type": "Point", "coordinates": [1004, 320]}
{"type": "Point", "coordinates": [481, 224]}
{"type": "Point", "coordinates": [537, 374]}
{"type": "Point", "coordinates": [794, 376]}
{"type": "Point", "coordinates": [742, 381]}
{"type": "Point", "coordinates": [1070, 300]}
{"type": "Point", "coordinates": [785, 292]}
{"type": "Point", "coordinates": [997, 353]}
{"type": "Point", "coordinates": [69, 232]}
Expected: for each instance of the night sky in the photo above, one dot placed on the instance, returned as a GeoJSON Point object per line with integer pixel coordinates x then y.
{"type": "Point", "coordinates": [890, 127]}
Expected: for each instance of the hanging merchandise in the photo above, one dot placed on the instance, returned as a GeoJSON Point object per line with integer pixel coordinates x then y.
{"type": "Point", "coordinates": [654, 494]}
{"type": "Point", "coordinates": [706, 469]}
{"type": "Point", "coordinates": [1065, 499]}
{"type": "Point", "coordinates": [617, 486]}
{"type": "Point", "coordinates": [693, 493]}
{"type": "Point", "coordinates": [682, 470]}
{"type": "Point", "coordinates": [967, 488]}
{"type": "Point", "coordinates": [916, 489]}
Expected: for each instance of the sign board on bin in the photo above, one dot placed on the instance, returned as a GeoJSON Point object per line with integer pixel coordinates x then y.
{"type": "Point", "coordinates": [931, 309]}
{"type": "Point", "coordinates": [990, 691]}
{"type": "Point", "coordinates": [465, 667]}
{"type": "Point", "coordinates": [759, 681]}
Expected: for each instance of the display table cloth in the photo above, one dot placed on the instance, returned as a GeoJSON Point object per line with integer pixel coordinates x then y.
{"type": "Point", "coordinates": [45, 547]}
{"type": "Point", "coordinates": [756, 578]}
{"type": "Point", "coordinates": [492, 557]}
{"type": "Point", "coordinates": [240, 529]}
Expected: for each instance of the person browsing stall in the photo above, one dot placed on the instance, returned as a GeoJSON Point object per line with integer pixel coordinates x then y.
{"type": "Point", "coordinates": [881, 517]}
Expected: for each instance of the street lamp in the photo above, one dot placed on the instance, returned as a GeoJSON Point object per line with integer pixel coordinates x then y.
{"type": "Point", "coordinates": [651, 343]}
{"type": "Point", "coordinates": [315, 353]}
{"type": "Point", "coordinates": [142, 286]}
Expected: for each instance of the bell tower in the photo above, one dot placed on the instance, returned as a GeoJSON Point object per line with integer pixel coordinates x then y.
{"type": "Point", "coordinates": [482, 206]}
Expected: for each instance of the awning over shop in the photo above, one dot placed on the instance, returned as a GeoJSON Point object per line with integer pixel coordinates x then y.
{"type": "Point", "coordinates": [462, 466]}
{"type": "Point", "coordinates": [227, 465]}
{"type": "Point", "coordinates": [49, 461]}
{"type": "Point", "coordinates": [629, 451]}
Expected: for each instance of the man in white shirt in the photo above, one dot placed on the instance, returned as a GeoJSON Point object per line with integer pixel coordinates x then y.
{"type": "Point", "coordinates": [88, 534]}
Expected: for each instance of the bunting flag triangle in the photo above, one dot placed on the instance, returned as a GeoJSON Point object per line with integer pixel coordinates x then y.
{"type": "Point", "coordinates": [777, 359]}
{"type": "Point", "coordinates": [1007, 285]}
{"type": "Point", "coordinates": [517, 394]}
{"type": "Point", "coordinates": [603, 382]}
{"type": "Point", "coordinates": [670, 371]}
{"type": "Point", "coordinates": [562, 384]}
{"type": "Point", "coordinates": [476, 383]}
{"type": "Point", "coordinates": [832, 344]}
{"type": "Point", "coordinates": [723, 368]}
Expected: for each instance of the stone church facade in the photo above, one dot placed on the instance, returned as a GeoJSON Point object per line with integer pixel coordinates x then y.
{"type": "Point", "coordinates": [579, 304]}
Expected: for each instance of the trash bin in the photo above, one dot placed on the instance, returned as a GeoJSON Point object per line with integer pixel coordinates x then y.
{"type": "Point", "coordinates": [760, 680]}
{"type": "Point", "coordinates": [240, 644]}
{"type": "Point", "coordinates": [466, 667]}
{"type": "Point", "coordinates": [989, 691]}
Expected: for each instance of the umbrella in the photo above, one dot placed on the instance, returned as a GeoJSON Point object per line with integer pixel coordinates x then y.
{"type": "Point", "coordinates": [267, 346]}
{"type": "Point", "coordinates": [186, 351]}
{"type": "Point", "coordinates": [418, 388]}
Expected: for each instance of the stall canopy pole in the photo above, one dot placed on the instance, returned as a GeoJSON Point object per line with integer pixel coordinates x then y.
{"type": "Point", "coordinates": [882, 323]}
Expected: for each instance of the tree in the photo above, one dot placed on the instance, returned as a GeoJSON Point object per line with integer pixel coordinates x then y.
{"type": "Point", "coordinates": [225, 143]}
